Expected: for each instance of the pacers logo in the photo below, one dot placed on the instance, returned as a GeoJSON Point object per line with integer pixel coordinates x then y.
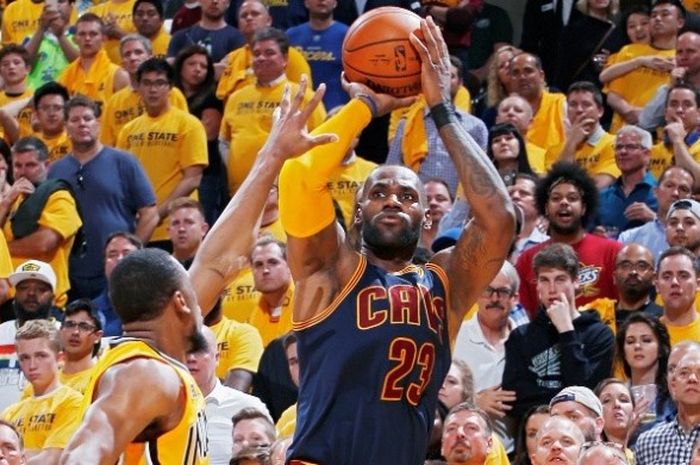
{"type": "Point", "coordinates": [400, 58]}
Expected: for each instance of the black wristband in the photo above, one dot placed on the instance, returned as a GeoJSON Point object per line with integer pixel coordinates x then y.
{"type": "Point", "coordinates": [370, 103]}
{"type": "Point", "coordinates": [443, 113]}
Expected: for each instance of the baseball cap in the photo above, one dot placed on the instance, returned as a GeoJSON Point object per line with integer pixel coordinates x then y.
{"type": "Point", "coordinates": [34, 269]}
{"type": "Point", "coordinates": [580, 394]}
{"type": "Point", "coordinates": [447, 239]}
{"type": "Point", "coordinates": [685, 204]}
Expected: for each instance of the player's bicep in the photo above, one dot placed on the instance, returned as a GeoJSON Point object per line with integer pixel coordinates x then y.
{"type": "Point", "coordinates": [470, 265]}
{"type": "Point", "coordinates": [309, 255]}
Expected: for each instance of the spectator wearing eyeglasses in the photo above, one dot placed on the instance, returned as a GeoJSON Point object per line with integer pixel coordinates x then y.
{"type": "Point", "coordinates": [634, 278]}
{"type": "Point", "coordinates": [561, 346]}
{"type": "Point", "coordinates": [672, 443]}
{"type": "Point", "coordinates": [676, 283]}
{"type": "Point", "coordinates": [481, 344]}
{"type": "Point", "coordinates": [80, 337]}
{"type": "Point", "coordinates": [629, 201]}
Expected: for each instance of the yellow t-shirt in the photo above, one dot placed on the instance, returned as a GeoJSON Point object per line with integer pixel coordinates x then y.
{"type": "Point", "coordinates": [239, 70]}
{"type": "Point", "coordinates": [46, 421]}
{"type": "Point", "coordinates": [19, 20]}
{"type": "Point", "coordinates": [498, 455]}
{"type": "Point", "coordinates": [547, 126]}
{"type": "Point", "coordinates": [125, 105]}
{"type": "Point", "coordinates": [97, 82]}
{"type": "Point", "coordinates": [165, 146]}
{"type": "Point", "coordinates": [185, 443]}
{"type": "Point", "coordinates": [121, 11]}
{"type": "Point", "coordinates": [5, 261]}
{"type": "Point", "coordinates": [689, 332]}
{"type": "Point", "coordinates": [638, 86]}
{"type": "Point", "coordinates": [60, 215]}
{"type": "Point", "coordinates": [160, 43]}
{"type": "Point", "coordinates": [270, 327]}
{"type": "Point", "coordinates": [240, 298]}
{"type": "Point", "coordinates": [662, 157]}
{"type": "Point", "coordinates": [76, 381]}
{"type": "Point", "coordinates": [287, 423]}
{"type": "Point", "coordinates": [239, 345]}
{"type": "Point", "coordinates": [595, 159]}
{"type": "Point", "coordinates": [247, 121]}
{"type": "Point", "coordinates": [345, 182]}
{"type": "Point", "coordinates": [58, 146]}
{"type": "Point", "coordinates": [535, 155]}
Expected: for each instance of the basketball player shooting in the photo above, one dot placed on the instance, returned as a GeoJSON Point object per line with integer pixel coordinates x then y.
{"type": "Point", "coordinates": [374, 331]}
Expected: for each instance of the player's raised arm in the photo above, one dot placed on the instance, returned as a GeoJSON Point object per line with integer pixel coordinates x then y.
{"type": "Point", "coordinates": [223, 252]}
{"type": "Point", "coordinates": [314, 239]}
{"type": "Point", "coordinates": [483, 245]}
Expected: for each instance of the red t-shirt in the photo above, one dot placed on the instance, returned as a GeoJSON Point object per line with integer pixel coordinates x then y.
{"type": "Point", "coordinates": [597, 261]}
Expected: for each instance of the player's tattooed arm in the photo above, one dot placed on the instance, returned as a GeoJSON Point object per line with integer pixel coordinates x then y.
{"type": "Point", "coordinates": [484, 243]}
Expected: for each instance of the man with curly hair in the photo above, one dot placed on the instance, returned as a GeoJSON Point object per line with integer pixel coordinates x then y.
{"type": "Point", "coordinates": [568, 198]}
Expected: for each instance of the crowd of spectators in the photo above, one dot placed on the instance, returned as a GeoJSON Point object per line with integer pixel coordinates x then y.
{"type": "Point", "coordinates": [131, 123]}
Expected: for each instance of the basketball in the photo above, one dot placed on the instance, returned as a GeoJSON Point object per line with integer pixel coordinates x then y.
{"type": "Point", "coordinates": [378, 53]}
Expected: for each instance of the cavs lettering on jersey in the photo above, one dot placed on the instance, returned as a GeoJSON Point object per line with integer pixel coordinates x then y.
{"type": "Point", "coordinates": [186, 443]}
{"type": "Point", "coordinates": [382, 350]}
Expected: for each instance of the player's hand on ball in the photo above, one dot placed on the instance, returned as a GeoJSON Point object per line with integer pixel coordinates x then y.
{"type": "Point", "coordinates": [435, 67]}
{"type": "Point", "coordinates": [385, 103]}
{"type": "Point", "coordinates": [289, 136]}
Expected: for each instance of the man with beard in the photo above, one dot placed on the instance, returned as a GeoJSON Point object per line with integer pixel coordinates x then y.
{"type": "Point", "coordinates": [561, 346]}
{"type": "Point", "coordinates": [568, 198]}
{"type": "Point", "coordinates": [34, 283]}
{"type": "Point", "coordinates": [39, 217]}
{"type": "Point", "coordinates": [634, 279]}
{"type": "Point", "coordinates": [466, 436]}
{"type": "Point", "coordinates": [391, 322]}
{"type": "Point", "coordinates": [159, 305]}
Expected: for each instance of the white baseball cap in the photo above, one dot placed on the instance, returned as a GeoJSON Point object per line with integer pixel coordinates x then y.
{"type": "Point", "coordinates": [34, 269]}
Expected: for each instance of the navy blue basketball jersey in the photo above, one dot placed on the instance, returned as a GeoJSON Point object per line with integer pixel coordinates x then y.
{"type": "Point", "coordinates": [371, 365]}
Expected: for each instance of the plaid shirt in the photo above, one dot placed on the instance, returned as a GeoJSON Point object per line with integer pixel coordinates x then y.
{"type": "Point", "coordinates": [437, 163]}
{"type": "Point", "coordinates": [666, 444]}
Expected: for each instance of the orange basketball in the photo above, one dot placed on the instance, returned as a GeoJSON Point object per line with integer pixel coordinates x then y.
{"type": "Point", "coordinates": [377, 52]}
